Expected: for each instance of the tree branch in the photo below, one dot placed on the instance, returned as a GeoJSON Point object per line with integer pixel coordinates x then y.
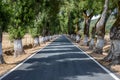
{"type": "Point", "coordinates": [85, 14]}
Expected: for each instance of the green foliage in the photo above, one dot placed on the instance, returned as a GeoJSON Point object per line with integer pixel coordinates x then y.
{"type": "Point", "coordinates": [109, 23]}
{"type": "Point", "coordinates": [5, 15]}
{"type": "Point", "coordinates": [16, 33]}
{"type": "Point", "coordinates": [34, 32]}
{"type": "Point", "coordinates": [22, 13]}
{"type": "Point", "coordinates": [35, 28]}
{"type": "Point", "coordinates": [51, 16]}
{"type": "Point", "coordinates": [63, 22]}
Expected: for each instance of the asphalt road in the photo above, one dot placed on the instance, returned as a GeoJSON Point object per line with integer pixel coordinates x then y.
{"type": "Point", "coordinates": [60, 60]}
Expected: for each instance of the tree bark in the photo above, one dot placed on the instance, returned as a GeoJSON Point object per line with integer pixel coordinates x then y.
{"type": "Point", "coordinates": [100, 29]}
{"type": "Point", "coordinates": [93, 33]}
{"type": "Point", "coordinates": [36, 42]}
{"type": "Point", "coordinates": [92, 44]}
{"type": "Point", "coordinates": [50, 37]}
{"type": "Point", "coordinates": [69, 26]}
{"type": "Point", "coordinates": [18, 47]}
{"type": "Point", "coordinates": [87, 20]}
{"type": "Point", "coordinates": [41, 40]}
{"type": "Point", "coordinates": [1, 57]}
{"type": "Point", "coordinates": [44, 39]}
{"type": "Point", "coordinates": [77, 38]}
{"type": "Point", "coordinates": [114, 52]}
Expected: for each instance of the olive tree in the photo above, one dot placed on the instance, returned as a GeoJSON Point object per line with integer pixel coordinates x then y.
{"type": "Point", "coordinates": [100, 28]}
{"type": "Point", "coordinates": [22, 14]}
{"type": "Point", "coordinates": [4, 22]}
{"type": "Point", "coordinates": [114, 52]}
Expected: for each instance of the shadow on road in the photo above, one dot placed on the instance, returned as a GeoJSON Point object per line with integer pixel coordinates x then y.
{"type": "Point", "coordinates": [59, 61]}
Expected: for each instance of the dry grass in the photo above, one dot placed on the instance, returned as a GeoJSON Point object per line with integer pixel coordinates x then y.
{"type": "Point", "coordinates": [7, 44]}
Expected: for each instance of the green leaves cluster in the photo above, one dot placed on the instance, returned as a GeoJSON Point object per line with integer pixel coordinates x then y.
{"type": "Point", "coordinates": [4, 15]}
{"type": "Point", "coordinates": [22, 14]}
{"type": "Point", "coordinates": [16, 33]}
{"type": "Point", "coordinates": [36, 26]}
{"type": "Point", "coordinates": [51, 16]}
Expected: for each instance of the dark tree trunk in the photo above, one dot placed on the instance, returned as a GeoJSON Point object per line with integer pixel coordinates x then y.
{"type": "Point", "coordinates": [77, 32]}
{"type": "Point", "coordinates": [69, 24]}
{"type": "Point", "coordinates": [18, 47]}
{"type": "Point", "coordinates": [87, 20]}
{"type": "Point", "coordinates": [100, 29]}
{"type": "Point", "coordinates": [1, 57]}
{"type": "Point", "coordinates": [114, 52]}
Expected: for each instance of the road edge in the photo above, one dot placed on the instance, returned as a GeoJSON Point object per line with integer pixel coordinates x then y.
{"type": "Point", "coordinates": [105, 69]}
{"type": "Point", "coordinates": [11, 70]}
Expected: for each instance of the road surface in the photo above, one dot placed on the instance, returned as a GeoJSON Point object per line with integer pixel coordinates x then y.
{"type": "Point", "coordinates": [60, 60]}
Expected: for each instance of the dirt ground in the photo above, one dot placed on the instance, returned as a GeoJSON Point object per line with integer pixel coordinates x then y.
{"type": "Point", "coordinates": [12, 61]}
{"type": "Point", "coordinates": [100, 57]}
{"type": "Point", "coordinates": [7, 43]}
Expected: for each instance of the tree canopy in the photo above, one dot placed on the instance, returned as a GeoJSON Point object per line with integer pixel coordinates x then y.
{"type": "Point", "coordinates": [58, 14]}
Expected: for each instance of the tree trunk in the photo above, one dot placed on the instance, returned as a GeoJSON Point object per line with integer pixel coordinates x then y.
{"type": "Point", "coordinates": [41, 40]}
{"type": "Point", "coordinates": [18, 47]}
{"type": "Point", "coordinates": [77, 38]}
{"type": "Point", "coordinates": [50, 37]}
{"type": "Point", "coordinates": [99, 45]}
{"type": "Point", "coordinates": [93, 33]}
{"type": "Point", "coordinates": [100, 29]}
{"type": "Point", "coordinates": [1, 57]}
{"type": "Point", "coordinates": [91, 44]}
{"type": "Point", "coordinates": [47, 37]}
{"type": "Point", "coordinates": [44, 39]}
{"type": "Point", "coordinates": [114, 52]}
{"type": "Point", "coordinates": [86, 40]}
{"type": "Point", "coordinates": [87, 20]}
{"type": "Point", "coordinates": [69, 25]}
{"type": "Point", "coordinates": [36, 42]}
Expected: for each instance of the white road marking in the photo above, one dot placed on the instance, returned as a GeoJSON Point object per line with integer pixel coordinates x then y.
{"type": "Point", "coordinates": [73, 59]}
{"type": "Point", "coordinates": [108, 71]}
{"type": "Point", "coordinates": [23, 62]}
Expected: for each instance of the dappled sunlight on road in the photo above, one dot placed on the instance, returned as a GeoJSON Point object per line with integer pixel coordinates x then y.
{"type": "Point", "coordinates": [58, 61]}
